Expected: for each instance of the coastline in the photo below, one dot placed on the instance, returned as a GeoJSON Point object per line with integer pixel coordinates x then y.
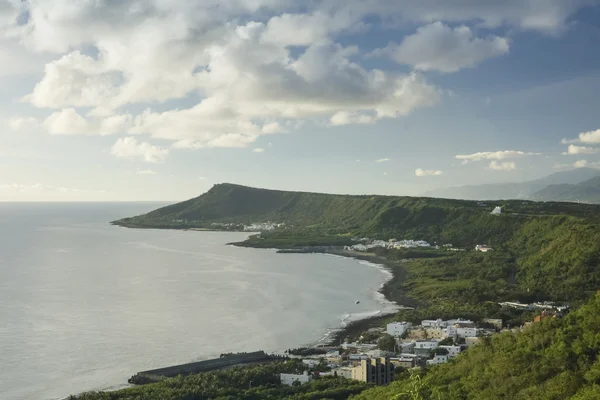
{"type": "Point", "coordinates": [389, 297]}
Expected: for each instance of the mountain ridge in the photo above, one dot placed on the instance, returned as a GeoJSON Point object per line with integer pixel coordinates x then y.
{"type": "Point", "coordinates": [516, 190]}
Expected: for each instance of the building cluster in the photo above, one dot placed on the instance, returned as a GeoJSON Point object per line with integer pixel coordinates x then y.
{"type": "Point", "coordinates": [252, 227]}
{"type": "Point", "coordinates": [545, 305]}
{"type": "Point", "coordinates": [263, 226]}
{"type": "Point", "coordinates": [432, 342]}
{"type": "Point", "coordinates": [366, 244]}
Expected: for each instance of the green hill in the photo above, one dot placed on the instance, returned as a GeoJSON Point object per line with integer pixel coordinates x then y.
{"type": "Point", "coordinates": [379, 216]}
{"type": "Point", "coordinates": [551, 360]}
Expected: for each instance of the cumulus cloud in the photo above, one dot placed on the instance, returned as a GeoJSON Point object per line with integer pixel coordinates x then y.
{"type": "Point", "coordinates": [502, 166]}
{"type": "Point", "coordinates": [346, 118]}
{"type": "Point", "coordinates": [66, 122]}
{"type": "Point", "coordinates": [590, 137]}
{"type": "Point", "coordinates": [145, 172]}
{"type": "Point", "coordinates": [441, 48]}
{"type": "Point", "coordinates": [586, 164]}
{"type": "Point", "coordinates": [382, 160]}
{"type": "Point", "coordinates": [578, 164]}
{"type": "Point", "coordinates": [493, 155]}
{"type": "Point", "coordinates": [427, 172]}
{"type": "Point", "coordinates": [258, 150]}
{"type": "Point", "coordinates": [254, 77]}
{"type": "Point", "coordinates": [573, 150]}
{"type": "Point", "coordinates": [130, 148]}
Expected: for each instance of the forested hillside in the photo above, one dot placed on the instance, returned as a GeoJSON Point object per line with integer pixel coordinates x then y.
{"type": "Point", "coordinates": [553, 359]}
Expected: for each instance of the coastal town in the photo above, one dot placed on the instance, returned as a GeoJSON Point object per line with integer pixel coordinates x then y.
{"type": "Point", "coordinates": [380, 353]}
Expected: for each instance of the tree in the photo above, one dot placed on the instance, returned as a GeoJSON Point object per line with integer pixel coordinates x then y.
{"type": "Point", "coordinates": [387, 343]}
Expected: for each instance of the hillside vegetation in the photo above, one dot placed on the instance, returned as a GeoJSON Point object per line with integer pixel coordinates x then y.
{"type": "Point", "coordinates": [553, 359]}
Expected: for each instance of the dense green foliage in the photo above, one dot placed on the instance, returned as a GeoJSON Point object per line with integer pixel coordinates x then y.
{"type": "Point", "coordinates": [551, 360]}
{"type": "Point", "coordinates": [250, 383]}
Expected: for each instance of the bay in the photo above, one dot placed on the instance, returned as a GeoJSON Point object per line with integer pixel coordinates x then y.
{"type": "Point", "coordinates": [84, 305]}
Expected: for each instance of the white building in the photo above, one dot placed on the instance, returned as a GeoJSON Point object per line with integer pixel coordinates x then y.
{"type": "Point", "coordinates": [433, 323]}
{"type": "Point", "coordinates": [483, 248]}
{"type": "Point", "coordinates": [466, 332]}
{"type": "Point", "coordinates": [425, 344]}
{"type": "Point", "coordinates": [397, 329]}
{"type": "Point", "coordinates": [453, 351]}
{"type": "Point", "coordinates": [438, 359]}
{"type": "Point", "coordinates": [497, 211]}
{"type": "Point", "coordinates": [289, 379]}
{"type": "Point", "coordinates": [310, 362]}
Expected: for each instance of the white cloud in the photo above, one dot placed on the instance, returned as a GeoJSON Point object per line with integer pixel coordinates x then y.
{"type": "Point", "coordinates": [66, 122]}
{"type": "Point", "coordinates": [258, 150]}
{"type": "Point", "coordinates": [23, 124]}
{"type": "Point", "coordinates": [69, 122]}
{"type": "Point", "coordinates": [578, 164]}
{"type": "Point", "coordinates": [581, 164]}
{"type": "Point", "coordinates": [493, 155]}
{"type": "Point", "coordinates": [272, 127]}
{"type": "Point", "coordinates": [285, 66]}
{"type": "Point", "coordinates": [590, 137]}
{"type": "Point", "coordinates": [145, 172]}
{"type": "Point", "coordinates": [427, 172]}
{"type": "Point", "coordinates": [573, 149]}
{"type": "Point", "coordinates": [382, 160]}
{"type": "Point", "coordinates": [441, 48]}
{"type": "Point", "coordinates": [130, 148]}
{"type": "Point", "coordinates": [502, 166]}
{"type": "Point", "coordinates": [346, 118]}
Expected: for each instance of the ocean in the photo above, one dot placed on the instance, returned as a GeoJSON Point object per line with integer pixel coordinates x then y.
{"type": "Point", "coordinates": [84, 305]}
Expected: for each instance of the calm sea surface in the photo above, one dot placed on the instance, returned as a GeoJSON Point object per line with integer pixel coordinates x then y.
{"type": "Point", "coordinates": [84, 305]}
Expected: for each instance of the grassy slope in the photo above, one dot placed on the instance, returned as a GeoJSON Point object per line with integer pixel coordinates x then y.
{"type": "Point", "coordinates": [554, 359]}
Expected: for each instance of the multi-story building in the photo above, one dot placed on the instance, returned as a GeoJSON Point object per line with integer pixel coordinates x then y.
{"type": "Point", "coordinates": [289, 379]}
{"type": "Point", "coordinates": [397, 329]}
{"type": "Point", "coordinates": [379, 371]}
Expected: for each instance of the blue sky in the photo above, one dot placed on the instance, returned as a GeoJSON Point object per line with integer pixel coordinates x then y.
{"type": "Point", "coordinates": [159, 100]}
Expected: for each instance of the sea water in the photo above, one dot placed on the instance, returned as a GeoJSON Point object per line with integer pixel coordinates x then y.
{"type": "Point", "coordinates": [84, 305]}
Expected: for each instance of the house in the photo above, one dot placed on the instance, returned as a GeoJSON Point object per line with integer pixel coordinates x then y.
{"type": "Point", "coordinates": [433, 323]}
{"type": "Point", "coordinates": [398, 329]}
{"type": "Point", "coordinates": [436, 333]}
{"type": "Point", "coordinates": [404, 362]}
{"type": "Point", "coordinates": [453, 351]}
{"type": "Point", "coordinates": [438, 359]}
{"type": "Point", "coordinates": [379, 371]}
{"type": "Point", "coordinates": [425, 344]}
{"type": "Point", "coordinates": [483, 248]}
{"type": "Point", "coordinates": [496, 211]}
{"type": "Point", "coordinates": [289, 379]}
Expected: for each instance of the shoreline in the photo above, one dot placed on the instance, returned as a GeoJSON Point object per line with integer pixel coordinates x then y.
{"type": "Point", "coordinates": [352, 329]}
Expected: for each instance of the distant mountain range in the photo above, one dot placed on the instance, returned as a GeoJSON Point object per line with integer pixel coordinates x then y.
{"type": "Point", "coordinates": [578, 185]}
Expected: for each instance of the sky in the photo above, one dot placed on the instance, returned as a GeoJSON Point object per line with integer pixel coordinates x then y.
{"type": "Point", "coordinates": [128, 100]}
